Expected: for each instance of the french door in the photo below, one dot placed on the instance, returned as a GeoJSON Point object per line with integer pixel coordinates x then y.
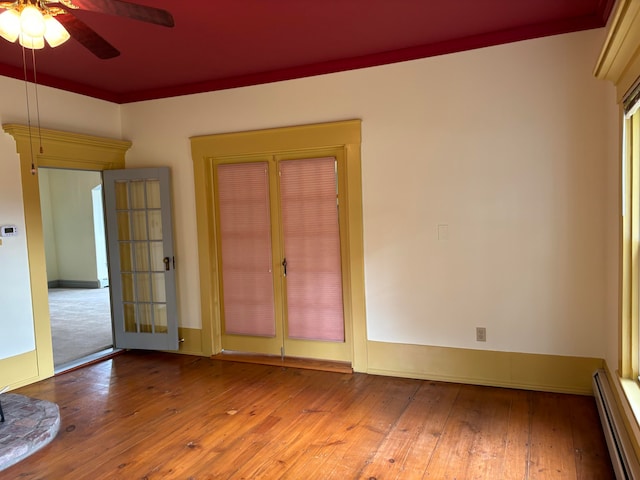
{"type": "Point", "coordinates": [279, 250]}
{"type": "Point", "coordinates": [141, 259]}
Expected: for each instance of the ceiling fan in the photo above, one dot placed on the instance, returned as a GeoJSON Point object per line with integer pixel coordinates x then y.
{"type": "Point", "coordinates": [55, 22]}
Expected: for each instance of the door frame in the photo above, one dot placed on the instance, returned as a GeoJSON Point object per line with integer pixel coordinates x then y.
{"type": "Point", "coordinates": [344, 135]}
{"type": "Point", "coordinates": [55, 149]}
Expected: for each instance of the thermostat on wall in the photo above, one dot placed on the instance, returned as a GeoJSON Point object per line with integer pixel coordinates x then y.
{"type": "Point", "coordinates": [8, 231]}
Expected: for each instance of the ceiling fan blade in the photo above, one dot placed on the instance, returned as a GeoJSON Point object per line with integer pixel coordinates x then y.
{"type": "Point", "coordinates": [86, 36]}
{"type": "Point", "coordinates": [127, 9]}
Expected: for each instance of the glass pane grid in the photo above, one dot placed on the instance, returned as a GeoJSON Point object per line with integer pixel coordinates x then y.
{"type": "Point", "coordinates": [141, 256]}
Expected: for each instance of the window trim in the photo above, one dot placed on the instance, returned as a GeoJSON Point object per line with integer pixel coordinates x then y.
{"type": "Point", "coordinates": [630, 238]}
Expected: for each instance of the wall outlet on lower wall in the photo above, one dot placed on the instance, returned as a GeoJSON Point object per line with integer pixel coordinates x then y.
{"type": "Point", "coordinates": [481, 334]}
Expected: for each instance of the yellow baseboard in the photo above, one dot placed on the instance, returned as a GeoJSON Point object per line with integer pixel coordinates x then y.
{"type": "Point", "coordinates": [192, 344]}
{"type": "Point", "coordinates": [19, 371]}
{"type": "Point", "coordinates": [551, 373]}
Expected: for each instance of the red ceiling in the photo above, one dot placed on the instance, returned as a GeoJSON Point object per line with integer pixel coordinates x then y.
{"type": "Point", "coordinates": [218, 44]}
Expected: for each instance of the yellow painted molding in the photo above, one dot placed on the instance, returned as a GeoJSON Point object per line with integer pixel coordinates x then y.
{"type": "Point", "coordinates": [59, 150]}
{"type": "Point", "coordinates": [627, 397]}
{"type": "Point", "coordinates": [552, 373]}
{"type": "Point", "coordinates": [192, 344]}
{"type": "Point", "coordinates": [276, 140]}
{"type": "Point", "coordinates": [619, 60]}
{"type": "Point", "coordinates": [19, 370]}
{"type": "Point", "coordinates": [67, 149]}
{"type": "Point", "coordinates": [207, 250]}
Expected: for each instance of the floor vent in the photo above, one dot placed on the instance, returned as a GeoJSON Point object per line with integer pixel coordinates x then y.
{"type": "Point", "coordinates": [623, 458]}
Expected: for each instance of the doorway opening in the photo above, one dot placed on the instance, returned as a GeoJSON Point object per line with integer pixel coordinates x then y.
{"type": "Point", "coordinates": [76, 265]}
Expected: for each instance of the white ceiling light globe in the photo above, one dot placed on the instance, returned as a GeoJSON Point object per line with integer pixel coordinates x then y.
{"type": "Point", "coordinates": [10, 25]}
{"type": "Point", "coordinates": [34, 43]}
{"type": "Point", "coordinates": [54, 33]}
{"type": "Point", "coordinates": [32, 21]}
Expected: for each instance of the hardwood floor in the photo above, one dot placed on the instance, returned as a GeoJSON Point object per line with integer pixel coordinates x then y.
{"type": "Point", "coordinates": [162, 416]}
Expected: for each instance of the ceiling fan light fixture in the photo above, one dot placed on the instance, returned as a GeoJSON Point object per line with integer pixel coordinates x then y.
{"type": "Point", "coordinates": [34, 43]}
{"type": "Point", "coordinates": [54, 33]}
{"type": "Point", "coordinates": [10, 25]}
{"type": "Point", "coordinates": [32, 21]}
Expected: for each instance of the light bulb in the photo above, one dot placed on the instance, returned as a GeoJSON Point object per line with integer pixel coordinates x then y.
{"type": "Point", "coordinates": [54, 33]}
{"type": "Point", "coordinates": [10, 25]}
{"type": "Point", "coordinates": [34, 43]}
{"type": "Point", "coordinates": [32, 21]}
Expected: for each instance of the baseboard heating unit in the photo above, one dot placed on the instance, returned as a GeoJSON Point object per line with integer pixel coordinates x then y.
{"type": "Point", "coordinates": [623, 457]}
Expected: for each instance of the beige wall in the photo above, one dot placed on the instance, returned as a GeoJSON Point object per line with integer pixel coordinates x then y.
{"type": "Point", "coordinates": [48, 226]}
{"type": "Point", "coordinates": [67, 211]}
{"type": "Point", "coordinates": [16, 327]}
{"type": "Point", "coordinates": [508, 146]}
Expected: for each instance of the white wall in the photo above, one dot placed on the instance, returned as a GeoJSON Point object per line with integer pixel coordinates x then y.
{"type": "Point", "coordinates": [100, 235]}
{"type": "Point", "coordinates": [16, 329]}
{"type": "Point", "coordinates": [58, 110]}
{"type": "Point", "coordinates": [71, 204]}
{"type": "Point", "coordinates": [508, 146]}
{"type": "Point", "coordinates": [48, 226]}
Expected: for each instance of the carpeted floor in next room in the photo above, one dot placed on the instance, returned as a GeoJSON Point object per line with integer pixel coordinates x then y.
{"type": "Point", "coordinates": [80, 322]}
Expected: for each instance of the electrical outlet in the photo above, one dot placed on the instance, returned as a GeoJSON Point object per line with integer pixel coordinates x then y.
{"type": "Point", "coordinates": [481, 334]}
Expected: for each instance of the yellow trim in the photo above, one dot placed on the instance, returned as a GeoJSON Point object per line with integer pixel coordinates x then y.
{"type": "Point", "coordinates": [204, 149]}
{"type": "Point", "coordinates": [19, 370]}
{"type": "Point", "coordinates": [207, 254]}
{"type": "Point", "coordinates": [630, 241]}
{"type": "Point", "coordinates": [551, 373]}
{"type": "Point", "coordinates": [619, 60]}
{"type": "Point", "coordinates": [627, 397]}
{"type": "Point", "coordinates": [192, 344]}
{"type": "Point", "coordinates": [59, 150]}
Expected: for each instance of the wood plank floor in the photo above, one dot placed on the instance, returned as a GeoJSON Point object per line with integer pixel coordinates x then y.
{"type": "Point", "coordinates": [162, 416]}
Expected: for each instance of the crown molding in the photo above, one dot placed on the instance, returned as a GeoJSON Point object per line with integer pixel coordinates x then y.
{"type": "Point", "coordinates": [619, 60]}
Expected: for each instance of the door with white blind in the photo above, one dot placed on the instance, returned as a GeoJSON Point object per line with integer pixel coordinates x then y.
{"type": "Point", "coordinates": [279, 249]}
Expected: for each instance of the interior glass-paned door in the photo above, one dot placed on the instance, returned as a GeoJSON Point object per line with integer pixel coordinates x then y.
{"type": "Point", "coordinates": [311, 237]}
{"type": "Point", "coordinates": [141, 258]}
